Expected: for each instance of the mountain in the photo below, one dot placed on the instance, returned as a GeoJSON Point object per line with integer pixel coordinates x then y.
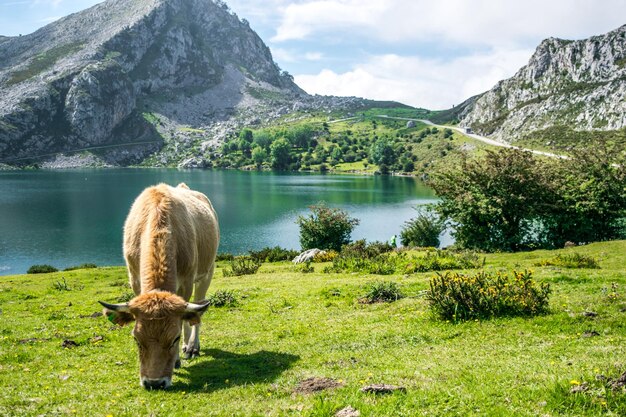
{"type": "Point", "coordinates": [578, 85]}
{"type": "Point", "coordinates": [140, 72]}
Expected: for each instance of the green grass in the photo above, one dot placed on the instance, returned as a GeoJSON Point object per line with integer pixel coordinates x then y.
{"type": "Point", "coordinates": [43, 62]}
{"type": "Point", "coordinates": [289, 326]}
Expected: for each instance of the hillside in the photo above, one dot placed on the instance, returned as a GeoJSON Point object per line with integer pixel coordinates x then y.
{"type": "Point", "coordinates": [148, 73]}
{"type": "Point", "coordinates": [59, 356]}
{"type": "Point", "coordinates": [567, 85]}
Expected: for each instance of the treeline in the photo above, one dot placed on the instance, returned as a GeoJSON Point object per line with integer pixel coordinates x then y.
{"type": "Point", "coordinates": [314, 147]}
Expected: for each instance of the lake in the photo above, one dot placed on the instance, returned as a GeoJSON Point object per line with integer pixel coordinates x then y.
{"type": "Point", "coordinates": [66, 218]}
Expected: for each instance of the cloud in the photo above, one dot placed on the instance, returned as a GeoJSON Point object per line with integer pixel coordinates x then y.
{"type": "Point", "coordinates": [429, 83]}
{"type": "Point", "coordinates": [483, 22]}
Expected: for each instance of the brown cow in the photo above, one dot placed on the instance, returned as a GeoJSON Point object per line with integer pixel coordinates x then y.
{"type": "Point", "coordinates": [170, 242]}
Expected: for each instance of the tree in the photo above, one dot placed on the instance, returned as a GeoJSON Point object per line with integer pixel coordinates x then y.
{"type": "Point", "coordinates": [325, 228]}
{"type": "Point", "coordinates": [259, 155]}
{"type": "Point", "coordinates": [509, 200]}
{"type": "Point", "coordinates": [493, 202]}
{"type": "Point", "coordinates": [263, 139]}
{"type": "Point", "coordinates": [423, 230]}
{"type": "Point", "coordinates": [246, 135]}
{"type": "Point", "coordinates": [382, 152]}
{"type": "Point", "coordinates": [300, 136]}
{"type": "Point", "coordinates": [280, 154]}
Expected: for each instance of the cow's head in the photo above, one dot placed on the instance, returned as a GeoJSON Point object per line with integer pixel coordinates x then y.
{"type": "Point", "coordinates": [158, 320]}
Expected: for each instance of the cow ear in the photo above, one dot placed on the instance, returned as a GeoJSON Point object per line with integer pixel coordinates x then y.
{"type": "Point", "coordinates": [193, 312]}
{"type": "Point", "coordinates": [117, 313]}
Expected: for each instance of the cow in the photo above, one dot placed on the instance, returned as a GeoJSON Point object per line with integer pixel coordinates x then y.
{"type": "Point", "coordinates": [171, 237]}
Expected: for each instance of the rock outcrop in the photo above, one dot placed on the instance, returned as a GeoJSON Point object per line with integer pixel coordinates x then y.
{"type": "Point", "coordinates": [579, 84]}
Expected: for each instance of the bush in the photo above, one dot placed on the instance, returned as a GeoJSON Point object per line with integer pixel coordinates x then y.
{"type": "Point", "coordinates": [224, 257]}
{"type": "Point", "coordinates": [242, 265]}
{"type": "Point", "coordinates": [572, 260]}
{"type": "Point", "coordinates": [362, 249]}
{"type": "Point", "coordinates": [441, 260]}
{"type": "Point", "coordinates": [304, 268]}
{"type": "Point", "coordinates": [275, 254]}
{"type": "Point", "coordinates": [458, 297]}
{"type": "Point", "coordinates": [325, 228]}
{"type": "Point", "coordinates": [383, 264]}
{"type": "Point", "coordinates": [82, 266]}
{"type": "Point", "coordinates": [61, 285]}
{"type": "Point", "coordinates": [424, 231]}
{"type": "Point", "coordinates": [325, 256]}
{"type": "Point", "coordinates": [381, 292]}
{"type": "Point", "coordinates": [223, 298]}
{"type": "Point", "coordinates": [41, 269]}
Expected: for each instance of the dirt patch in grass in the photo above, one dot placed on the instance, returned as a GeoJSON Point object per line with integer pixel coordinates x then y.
{"type": "Point", "coordinates": [382, 389]}
{"type": "Point", "coordinates": [68, 344]}
{"type": "Point", "coordinates": [91, 316]}
{"type": "Point", "coordinates": [315, 384]}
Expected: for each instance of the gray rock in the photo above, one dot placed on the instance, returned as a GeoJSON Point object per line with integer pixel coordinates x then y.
{"type": "Point", "coordinates": [581, 84]}
{"type": "Point", "coordinates": [307, 256]}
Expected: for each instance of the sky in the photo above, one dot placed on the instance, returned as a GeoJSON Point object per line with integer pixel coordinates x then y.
{"type": "Point", "coordinates": [425, 53]}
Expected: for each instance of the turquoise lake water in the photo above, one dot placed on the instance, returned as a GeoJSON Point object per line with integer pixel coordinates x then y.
{"type": "Point", "coordinates": [66, 218]}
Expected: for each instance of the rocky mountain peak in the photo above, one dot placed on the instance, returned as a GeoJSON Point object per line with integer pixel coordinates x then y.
{"type": "Point", "coordinates": [581, 84]}
{"type": "Point", "coordinates": [90, 79]}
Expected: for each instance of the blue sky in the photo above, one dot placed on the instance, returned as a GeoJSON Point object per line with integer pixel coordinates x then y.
{"type": "Point", "coordinates": [425, 53]}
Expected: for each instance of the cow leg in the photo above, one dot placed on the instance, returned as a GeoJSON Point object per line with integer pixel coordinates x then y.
{"type": "Point", "coordinates": [192, 339]}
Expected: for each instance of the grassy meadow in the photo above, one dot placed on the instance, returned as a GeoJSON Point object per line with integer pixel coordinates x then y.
{"type": "Point", "coordinates": [57, 357]}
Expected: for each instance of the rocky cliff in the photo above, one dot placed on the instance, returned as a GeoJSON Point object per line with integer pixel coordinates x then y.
{"type": "Point", "coordinates": [577, 84]}
{"type": "Point", "coordinates": [133, 73]}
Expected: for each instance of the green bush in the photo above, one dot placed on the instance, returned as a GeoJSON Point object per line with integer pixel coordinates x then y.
{"type": "Point", "coordinates": [381, 292]}
{"type": "Point", "coordinates": [242, 265]}
{"type": "Point", "coordinates": [423, 231]}
{"type": "Point", "coordinates": [383, 264]}
{"type": "Point", "coordinates": [572, 260]}
{"type": "Point", "coordinates": [325, 256]}
{"type": "Point", "coordinates": [82, 266]}
{"type": "Point", "coordinates": [61, 285]}
{"type": "Point", "coordinates": [362, 249]}
{"type": "Point", "coordinates": [325, 228]}
{"type": "Point", "coordinates": [223, 298]}
{"type": "Point", "coordinates": [224, 257]}
{"type": "Point", "coordinates": [304, 268]}
{"type": "Point", "coordinates": [275, 254]}
{"type": "Point", "coordinates": [41, 269]}
{"type": "Point", "coordinates": [441, 260]}
{"type": "Point", "coordinates": [458, 297]}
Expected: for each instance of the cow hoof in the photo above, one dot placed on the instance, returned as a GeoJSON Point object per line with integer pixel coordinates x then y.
{"type": "Point", "coordinates": [191, 353]}
{"type": "Point", "coordinates": [177, 364]}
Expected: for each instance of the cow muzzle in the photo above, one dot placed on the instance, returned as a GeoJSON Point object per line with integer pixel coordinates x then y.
{"type": "Point", "coordinates": [153, 384]}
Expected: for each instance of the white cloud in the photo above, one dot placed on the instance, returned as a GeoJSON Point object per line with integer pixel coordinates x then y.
{"type": "Point", "coordinates": [429, 83]}
{"type": "Point", "coordinates": [314, 56]}
{"type": "Point", "coordinates": [485, 22]}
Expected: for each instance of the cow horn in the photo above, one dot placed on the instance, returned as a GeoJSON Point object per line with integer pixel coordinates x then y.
{"type": "Point", "coordinates": [197, 308]}
{"type": "Point", "coordinates": [122, 308]}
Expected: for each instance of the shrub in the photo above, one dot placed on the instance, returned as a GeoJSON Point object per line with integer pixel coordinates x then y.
{"type": "Point", "coordinates": [61, 285]}
{"type": "Point", "coordinates": [572, 260]}
{"type": "Point", "coordinates": [305, 268]}
{"type": "Point", "coordinates": [82, 266]}
{"type": "Point", "coordinates": [242, 265]}
{"type": "Point", "coordinates": [41, 269]}
{"type": "Point", "coordinates": [224, 257]}
{"type": "Point", "coordinates": [362, 249]}
{"type": "Point", "coordinates": [223, 298]}
{"type": "Point", "coordinates": [325, 228]}
{"type": "Point", "coordinates": [459, 297]}
{"type": "Point", "coordinates": [325, 256]}
{"type": "Point", "coordinates": [383, 264]}
{"type": "Point", "coordinates": [423, 230]}
{"type": "Point", "coordinates": [440, 260]}
{"type": "Point", "coordinates": [275, 254]}
{"type": "Point", "coordinates": [381, 292]}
